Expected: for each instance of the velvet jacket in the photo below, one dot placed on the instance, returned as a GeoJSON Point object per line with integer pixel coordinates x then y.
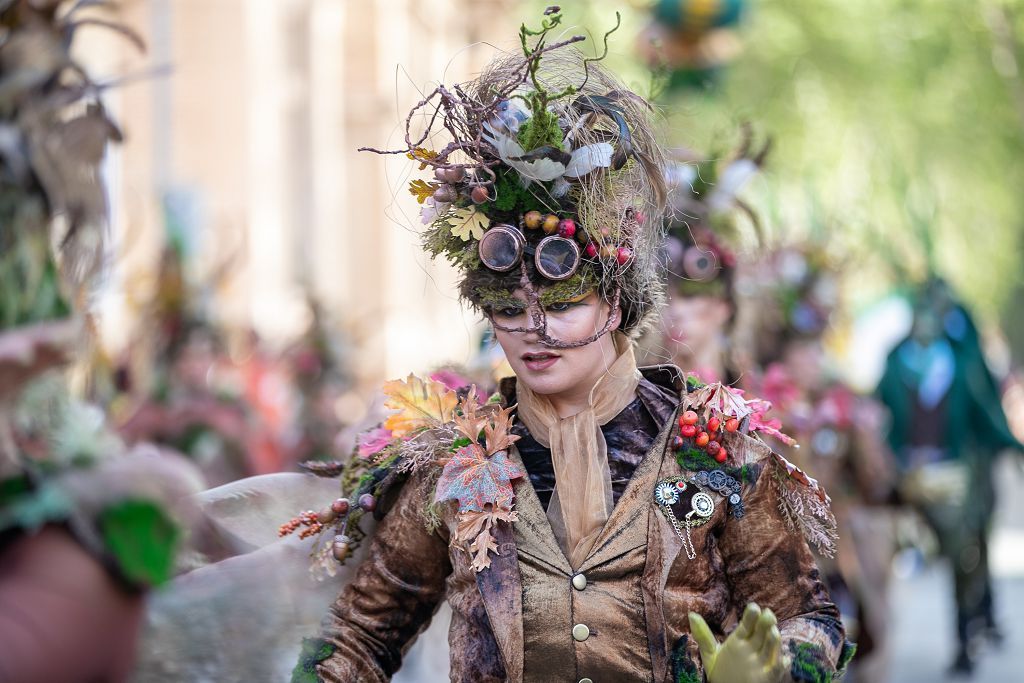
{"type": "Point", "coordinates": [640, 581]}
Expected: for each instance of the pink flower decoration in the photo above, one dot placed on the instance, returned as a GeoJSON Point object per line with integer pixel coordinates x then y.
{"type": "Point", "coordinates": [451, 380]}
{"type": "Point", "coordinates": [373, 441]}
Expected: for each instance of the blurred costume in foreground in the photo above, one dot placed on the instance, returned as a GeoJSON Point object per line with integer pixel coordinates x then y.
{"type": "Point", "coordinates": [85, 527]}
{"type": "Point", "coordinates": [948, 427]}
{"type": "Point", "coordinates": [840, 436]}
{"type": "Point", "coordinates": [697, 321]}
{"type": "Point", "coordinates": [627, 539]}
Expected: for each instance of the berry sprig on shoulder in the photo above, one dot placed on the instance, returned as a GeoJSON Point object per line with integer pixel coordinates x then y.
{"type": "Point", "coordinates": [460, 444]}
{"type": "Point", "coordinates": [713, 430]}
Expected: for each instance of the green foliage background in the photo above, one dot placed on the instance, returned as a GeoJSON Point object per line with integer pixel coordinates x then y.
{"type": "Point", "coordinates": [898, 128]}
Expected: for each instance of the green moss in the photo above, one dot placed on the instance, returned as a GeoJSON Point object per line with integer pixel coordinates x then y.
{"type": "Point", "coordinates": [314, 651]}
{"type": "Point", "coordinates": [540, 130]}
{"type": "Point", "coordinates": [809, 664]}
{"type": "Point", "coordinates": [683, 668]}
{"type": "Point", "coordinates": [696, 460]}
{"type": "Point", "coordinates": [491, 298]}
{"type": "Point", "coordinates": [580, 283]}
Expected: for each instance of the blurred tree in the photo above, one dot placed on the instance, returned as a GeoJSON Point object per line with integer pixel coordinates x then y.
{"type": "Point", "coordinates": [903, 119]}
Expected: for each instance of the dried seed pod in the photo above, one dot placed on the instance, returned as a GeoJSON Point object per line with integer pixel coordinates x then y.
{"type": "Point", "coordinates": [367, 502]}
{"type": "Point", "coordinates": [445, 194]}
{"type": "Point", "coordinates": [340, 506]}
{"type": "Point", "coordinates": [326, 515]}
{"type": "Point", "coordinates": [340, 547]}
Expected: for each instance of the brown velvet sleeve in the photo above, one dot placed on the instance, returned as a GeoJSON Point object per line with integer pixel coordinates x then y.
{"type": "Point", "coordinates": [770, 564]}
{"type": "Point", "coordinates": [392, 597]}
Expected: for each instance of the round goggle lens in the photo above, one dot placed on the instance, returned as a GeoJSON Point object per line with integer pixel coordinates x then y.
{"type": "Point", "coordinates": [501, 247]}
{"type": "Point", "coordinates": [700, 264]}
{"type": "Point", "coordinates": [557, 258]}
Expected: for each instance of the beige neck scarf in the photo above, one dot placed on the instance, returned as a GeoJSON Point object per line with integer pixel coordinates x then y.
{"type": "Point", "coordinates": [582, 499]}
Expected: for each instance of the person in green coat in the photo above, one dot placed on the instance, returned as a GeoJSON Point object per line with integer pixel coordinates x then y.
{"type": "Point", "coordinates": [948, 427]}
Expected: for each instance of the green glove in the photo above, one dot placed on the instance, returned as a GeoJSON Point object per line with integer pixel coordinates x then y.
{"type": "Point", "coordinates": [750, 654]}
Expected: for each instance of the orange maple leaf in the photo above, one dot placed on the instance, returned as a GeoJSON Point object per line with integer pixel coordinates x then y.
{"type": "Point", "coordinates": [470, 423]}
{"type": "Point", "coordinates": [419, 404]}
{"type": "Point", "coordinates": [497, 434]}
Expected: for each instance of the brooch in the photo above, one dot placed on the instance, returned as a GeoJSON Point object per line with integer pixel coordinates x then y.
{"type": "Point", "coordinates": [726, 486]}
{"type": "Point", "coordinates": [668, 492]}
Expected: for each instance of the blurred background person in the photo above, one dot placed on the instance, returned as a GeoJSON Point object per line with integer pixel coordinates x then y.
{"type": "Point", "coordinates": [700, 257]}
{"type": "Point", "coordinates": [838, 436]}
{"type": "Point", "coordinates": [87, 526]}
{"type": "Point", "coordinates": [948, 428]}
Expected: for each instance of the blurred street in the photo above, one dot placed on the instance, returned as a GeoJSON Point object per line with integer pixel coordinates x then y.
{"type": "Point", "coordinates": [923, 610]}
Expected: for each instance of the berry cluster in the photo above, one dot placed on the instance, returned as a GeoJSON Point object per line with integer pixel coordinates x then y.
{"type": "Point", "coordinates": [314, 522]}
{"type": "Point", "coordinates": [452, 187]}
{"type": "Point", "coordinates": [566, 227]}
{"type": "Point", "coordinates": [707, 435]}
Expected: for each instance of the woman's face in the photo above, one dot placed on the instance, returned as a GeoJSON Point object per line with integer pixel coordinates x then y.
{"type": "Point", "coordinates": [691, 324]}
{"type": "Point", "coordinates": [556, 372]}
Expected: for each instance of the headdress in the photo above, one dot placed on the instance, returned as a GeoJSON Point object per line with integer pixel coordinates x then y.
{"type": "Point", "coordinates": [799, 293]}
{"type": "Point", "coordinates": [546, 175]}
{"type": "Point", "coordinates": [701, 222]}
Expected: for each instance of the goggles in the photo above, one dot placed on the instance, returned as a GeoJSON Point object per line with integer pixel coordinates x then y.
{"type": "Point", "coordinates": [502, 248]}
{"type": "Point", "coordinates": [538, 322]}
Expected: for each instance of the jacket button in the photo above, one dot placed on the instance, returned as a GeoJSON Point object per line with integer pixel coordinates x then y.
{"type": "Point", "coordinates": [586, 680]}
{"type": "Point", "coordinates": [580, 632]}
{"type": "Point", "coordinates": [579, 582]}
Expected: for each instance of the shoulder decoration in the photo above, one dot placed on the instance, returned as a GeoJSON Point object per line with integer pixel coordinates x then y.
{"type": "Point", "coordinates": [460, 446]}
{"type": "Point", "coordinates": [716, 446]}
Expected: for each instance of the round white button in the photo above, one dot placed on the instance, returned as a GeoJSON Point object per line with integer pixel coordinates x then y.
{"type": "Point", "coordinates": [579, 582]}
{"type": "Point", "coordinates": [580, 632]}
{"type": "Point", "coordinates": [586, 680]}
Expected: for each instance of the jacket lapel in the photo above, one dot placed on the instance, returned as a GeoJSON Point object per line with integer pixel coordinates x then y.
{"type": "Point", "coordinates": [501, 586]}
{"type": "Point", "coordinates": [663, 547]}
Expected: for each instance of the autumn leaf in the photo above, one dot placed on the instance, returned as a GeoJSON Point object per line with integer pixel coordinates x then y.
{"type": "Point", "coordinates": [479, 549]}
{"type": "Point", "coordinates": [718, 398]}
{"type": "Point", "coordinates": [421, 154]}
{"type": "Point", "coordinates": [420, 404]}
{"type": "Point", "coordinates": [497, 431]}
{"type": "Point", "coordinates": [421, 189]}
{"type": "Point", "coordinates": [468, 223]}
{"type": "Point", "coordinates": [470, 423]}
{"type": "Point", "coordinates": [474, 529]}
{"type": "Point", "coordinates": [476, 480]}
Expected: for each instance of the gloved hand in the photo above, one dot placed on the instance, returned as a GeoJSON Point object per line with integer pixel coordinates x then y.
{"type": "Point", "coordinates": [750, 654]}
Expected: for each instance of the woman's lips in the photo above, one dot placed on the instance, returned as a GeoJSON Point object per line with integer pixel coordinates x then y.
{"type": "Point", "coordinates": [539, 361]}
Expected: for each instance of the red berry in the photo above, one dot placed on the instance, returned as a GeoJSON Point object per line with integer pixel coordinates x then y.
{"type": "Point", "coordinates": [480, 194]}
{"type": "Point", "coordinates": [721, 455]}
{"type": "Point", "coordinates": [340, 506]}
{"type": "Point", "coordinates": [677, 442]}
{"type": "Point", "coordinates": [688, 418]}
{"type": "Point", "coordinates": [567, 227]}
{"type": "Point", "coordinates": [713, 447]}
{"type": "Point", "coordinates": [591, 250]}
{"type": "Point", "coordinates": [367, 502]}
{"type": "Point", "coordinates": [713, 424]}
{"type": "Point", "coordinates": [623, 255]}
{"type": "Point", "coordinates": [702, 439]}
{"type": "Point", "coordinates": [689, 431]}
{"type": "Point", "coordinates": [732, 424]}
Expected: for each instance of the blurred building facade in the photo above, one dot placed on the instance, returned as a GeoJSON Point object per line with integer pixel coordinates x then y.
{"type": "Point", "coordinates": [243, 122]}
